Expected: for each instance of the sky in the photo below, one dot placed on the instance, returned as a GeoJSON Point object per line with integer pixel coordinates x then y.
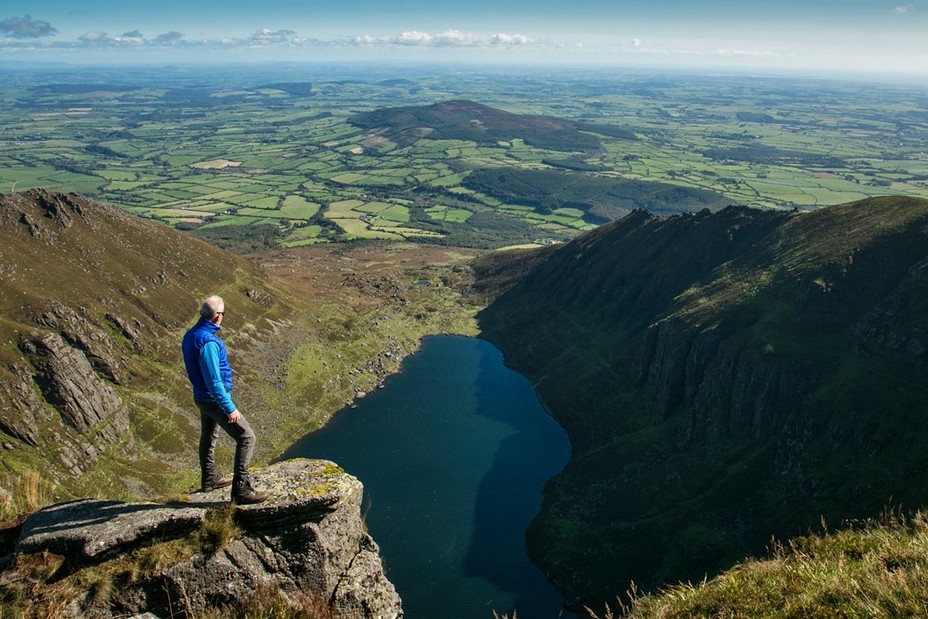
{"type": "Point", "coordinates": [822, 36]}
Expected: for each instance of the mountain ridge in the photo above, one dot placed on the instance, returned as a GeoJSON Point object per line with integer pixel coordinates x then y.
{"type": "Point", "coordinates": [720, 376]}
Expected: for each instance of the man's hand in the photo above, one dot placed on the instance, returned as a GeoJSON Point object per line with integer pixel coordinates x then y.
{"type": "Point", "coordinates": [234, 415]}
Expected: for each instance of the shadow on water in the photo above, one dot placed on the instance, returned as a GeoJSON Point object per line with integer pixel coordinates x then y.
{"type": "Point", "coordinates": [510, 493]}
{"type": "Point", "coordinates": [453, 453]}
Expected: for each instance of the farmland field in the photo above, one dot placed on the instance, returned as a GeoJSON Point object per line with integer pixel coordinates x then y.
{"type": "Point", "coordinates": [224, 149]}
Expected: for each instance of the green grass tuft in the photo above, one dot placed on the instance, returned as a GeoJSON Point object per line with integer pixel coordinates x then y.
{"type": "Point", "coordinates": [877, 569]}
{"type": "Point", "coordinates": [218, 530]}
{"type": "Point", "coordinates": [28, 492]}
{"type": "Point", "coordinates": [269, 603]}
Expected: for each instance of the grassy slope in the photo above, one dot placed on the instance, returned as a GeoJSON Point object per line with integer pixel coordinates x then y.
{"type": "Point", "coordinates": [691, 454]}
{"type": "Point", "coordinates": [877, 570]}
{"type": "Point", "coordinates": [107, 263]}
{"type": "Point", "coordinates": [601, 199]}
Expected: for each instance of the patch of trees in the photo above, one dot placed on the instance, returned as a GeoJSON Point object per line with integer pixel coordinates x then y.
{"type": "Point", "coordinates": [300, 89]}
{"type": "Point", "coordinates": [397, 82]}
{"type": "Point", "coordinates": [755, 117]}
{"type": "Point", "coordinates": [67, 165]}
{"type": "Point", "coordinates": [612, 131]}
{"type": "Point", "coordinates": [485, 229]}
{"type": "Point", "coordinates": [489, 230]}
{"type": "Point", "coordinates": [764, 154]}
{"type": "Point", "coordinates": [200, 97]}
{"type": "Point", "coordinates": [80, 89]}
{"type": "Point", "coordinates": [575, 165]}
{"type": "Point", "coordinates": [241, 239]}
{"type": "Point", "coordinates": [103, 151]}
{"type": "Point", "coordinates": [601, 199]}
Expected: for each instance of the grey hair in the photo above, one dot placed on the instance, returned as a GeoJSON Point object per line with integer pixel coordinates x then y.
{"type": "Point", "coordinates": [211, 306]}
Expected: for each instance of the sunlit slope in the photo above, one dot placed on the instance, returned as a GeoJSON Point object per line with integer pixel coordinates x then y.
{"type": "Point", "coordinates": [92, 303]}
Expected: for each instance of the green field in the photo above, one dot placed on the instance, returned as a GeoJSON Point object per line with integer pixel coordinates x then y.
{"type": "Point", "coordinates": [226, 152]}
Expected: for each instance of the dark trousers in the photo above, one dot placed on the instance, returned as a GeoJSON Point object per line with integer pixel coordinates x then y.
{"type": "Point", "coordinates": [211, 419]}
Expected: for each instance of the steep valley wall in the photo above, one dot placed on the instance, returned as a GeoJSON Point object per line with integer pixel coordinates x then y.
{"type": "Point", "coordinates": [724, 378]}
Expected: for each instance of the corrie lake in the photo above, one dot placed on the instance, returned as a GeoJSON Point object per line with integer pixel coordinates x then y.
{"type": "Point", "coordinates": [453, 453]}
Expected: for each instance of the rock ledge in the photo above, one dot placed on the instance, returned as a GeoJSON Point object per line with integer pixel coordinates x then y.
{"type": "Point", "coordinates": [307, 539]}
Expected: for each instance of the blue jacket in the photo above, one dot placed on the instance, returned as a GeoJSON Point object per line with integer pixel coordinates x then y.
{"type": "Point", "coordinates": [208, 365]}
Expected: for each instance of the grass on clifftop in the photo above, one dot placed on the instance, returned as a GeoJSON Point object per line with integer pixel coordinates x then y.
{"type": "Point", "coordinates": [875, 570]}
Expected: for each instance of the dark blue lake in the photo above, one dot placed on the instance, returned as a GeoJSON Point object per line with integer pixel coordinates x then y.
{"type": "Point", "coordinates": [453, 453]}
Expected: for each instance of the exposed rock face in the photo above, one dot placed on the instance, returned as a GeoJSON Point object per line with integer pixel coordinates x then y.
{"type": "Point", "coordinates": [308, 539]}
{"type": "Point", "coordinates": [92, 416]}
{"type": "Point", "coordinates": [69, 383]}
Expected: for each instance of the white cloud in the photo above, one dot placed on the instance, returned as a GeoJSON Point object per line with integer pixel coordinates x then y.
{"type": "Point", "coordinates": [409, 38]}
{"type": "Point", "coordinates": [743, 52]}
{"type": "Point", "coordinates": [449, 38]}
{"type": "Point", "coordinates": [903, 9]}
{"type": "Point", "coordinates": [265, 36]}
{"type": "Point", "coordinates": [510, 39]}
{"type": "Point", "coordinates": [26, 28]}
{"type": "Point", "coordinates": [284, 43]}
{"type": "Point", "coordinates": [102, 39]}
{"type": "Point", "coordinates": [270, 38]}
{"type": "Point", "coordinates": [135, 37]}
{"type": "Point", "coordinates": [169, 38]}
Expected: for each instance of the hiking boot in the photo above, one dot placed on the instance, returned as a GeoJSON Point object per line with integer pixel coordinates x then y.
{"type": "Point", "coordinates": [244, 494]}
{"type": "Point", "coordinates": [216, 482]}
{"type": "Point", "coordinates": [249, 496]}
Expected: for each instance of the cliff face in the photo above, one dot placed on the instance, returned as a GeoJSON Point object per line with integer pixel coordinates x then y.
{"type": "Point", "coordinates": [723, 377]}
{"type": "Point", "coordinates": [90, 301]}
{"type": "Point", "coordinates": [306, 545]}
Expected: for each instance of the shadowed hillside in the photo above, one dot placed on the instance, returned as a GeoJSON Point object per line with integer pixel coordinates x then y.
{"type": "Point", "coordinates": [723, 377]}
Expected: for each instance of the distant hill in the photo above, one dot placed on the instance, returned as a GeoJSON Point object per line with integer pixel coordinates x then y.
{"type": "Point", "coordinates": [92, 301]}
{"type": "Point", "coordinates": [723, 377]}
{"type": "Point", "coordinates": [467, 120]}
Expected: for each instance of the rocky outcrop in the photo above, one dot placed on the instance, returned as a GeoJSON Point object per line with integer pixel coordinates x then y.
{"type": "Point", "coordinates": [69, 383]}
{"type": "Point", "coordinates": [91, 415]}
{"type": "Point", "coordinates": [307, 541]}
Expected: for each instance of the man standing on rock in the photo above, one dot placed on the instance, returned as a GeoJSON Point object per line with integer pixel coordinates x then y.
{"type": "Point", "coordinates": [211, 378]}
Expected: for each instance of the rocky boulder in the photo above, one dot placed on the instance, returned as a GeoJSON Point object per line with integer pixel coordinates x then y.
{"type": "Point", "coordinates": [307, 541]}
